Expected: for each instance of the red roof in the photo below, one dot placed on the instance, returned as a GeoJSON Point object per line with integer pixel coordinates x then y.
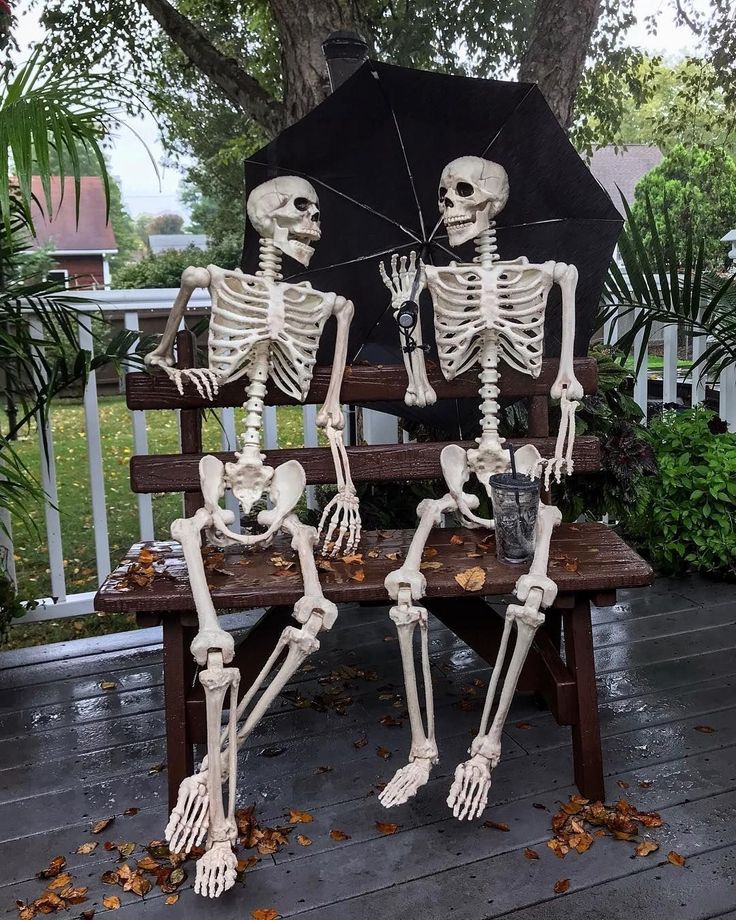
{"type": "Point", "coordinates": [92, 234]}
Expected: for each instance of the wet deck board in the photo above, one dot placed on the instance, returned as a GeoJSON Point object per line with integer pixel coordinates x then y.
{"type": "Point", "coordinates": [71, 752]}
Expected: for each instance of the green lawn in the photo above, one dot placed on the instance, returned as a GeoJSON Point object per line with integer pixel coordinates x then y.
{"type": "Point", "coordinates": [75, 505]}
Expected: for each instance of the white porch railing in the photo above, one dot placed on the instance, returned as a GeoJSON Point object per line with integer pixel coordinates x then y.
{"type": "Point", "coordinates": [377, 428]}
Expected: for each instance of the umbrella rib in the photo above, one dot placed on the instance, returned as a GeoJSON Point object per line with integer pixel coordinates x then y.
{"type": "Point", "coordinates": [372, 255]}
{"type": "Point", "coordinates": [404, 154]}
{"type": "Point", "coordinates": [360, 204]}
{"type": "Point", "coordinates": [532, 87]}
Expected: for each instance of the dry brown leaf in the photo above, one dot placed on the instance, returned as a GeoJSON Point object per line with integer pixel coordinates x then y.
{"type": "Point", "coordinates": [265, 913]}
{"type": "Point", "coordinates": [581, 841]}
{"type": "Point", "coordinates": [25, 911]}
{"type": "Point", "coordinates": [622, 784]}
{"type": "Point", "coordinates": [300, 817]}
{"type": "Point", "coordinates": [391, 721]}
{"type": "Point", "coordinates": [88, 914]}
{"type": "Point", "coordinates": [429, 566]}
{"type": "Point", "coordinates": [48, 903]}
{"type": "Point", "coordinates": [471, 579]}
{"type": "Point", "coordinates": [559, 848]}
{"type": "Point", "coordinates": [429, 551]}
{"type": "Point", "coordinates": [99, 826]}
{"type": "Point", "coordinates": [147, 864]}
{"type": "Point", "coordinates": [456, 540]}
{"type": "Point", "coordinates": [111, 901]}
{"type": "Point", "coordinates": [85, 848]}
{"type": "Point", "coordinates": [53, 868]}
{"type": "Point", "coordinates": [646, 847]}
{"type": "Point", "coordinates": [129, 812]}
{"type": "Point", "coordinates": [526, 726]}
{"type": "Point", "coordinates": [61, 881]}
{"type": "Point", "coordinates": [394, 557]}
{"type": "Point", "coordinates": [360, 743]}
{"type": "Point", "coordinates": [645, 784]}
{"type": "Point", "coordinates": [383, 752]}
{"type": "Point", "coordinates": [171, 899]}
{"type": "Point", "coordinates": [529, 853]}
{"type": "Point", "coordinates": [358, 575]}
{"type": "Point", "coordinates": [146, 557]}
{"type": "Point", "coordinates": [110, 877]}
{"type": "Point", "coordinates": [373, 554]}
{"type": "Point", "coordinates": [73, 895]}
{"type": "Point", "coordinates": [339, 835]}
{"type": "Point", "coordinates": [649, 818]}
{"type": "Point", "coordinates": [126, 849]}
{"type": "Point", "coordinates": [384, 827]}
{"type": "Point", "coordinates": [496, 825]}
{"type": "Point", "coordinates": [303, 840]}
{"type": "Point", "coordinates": [353, 558]}
{"type": "Point", "coordinates": [245, 864]}
{"type": "Point", "coordinates": [562, 885]}
{"type": "Point", "coordinates": [705, 729]}
{"type": "Point", "coordinates": [676, 859]}
{"type": "Point", "coordinates": [107, 685]}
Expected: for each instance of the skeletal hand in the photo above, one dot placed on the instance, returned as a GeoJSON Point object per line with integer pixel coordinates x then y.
{"type": "Point", "coordinates": [562, 462]}
{"type": "Point", "coordinates": [344, 517]}
{"type": "Point", "coordinates": [401, 280]}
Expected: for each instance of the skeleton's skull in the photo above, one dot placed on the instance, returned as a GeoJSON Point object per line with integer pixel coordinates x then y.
{"type": "Point", "coordinates": [286, 210]}
{"type": "Point", "coordinates": [472, 192]}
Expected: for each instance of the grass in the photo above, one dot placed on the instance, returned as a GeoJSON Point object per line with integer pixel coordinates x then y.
{"type": "Point", "coordinates": [656, 363]}
{"type": "Point", "coordinates": [75, 504]}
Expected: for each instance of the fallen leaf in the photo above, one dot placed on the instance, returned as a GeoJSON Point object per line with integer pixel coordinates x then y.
{"type": "Point", "coordinates": [559, 848]}
{"type": "Point", "coordinates": [171, 899]}
{"type": "Point", "coordinates": [705, 729]}
{"type": "Point", "coordinates": [383, 752]}
{"type": "Point", "coordinates": [358, 575]}
{"type": "Point", "coordinates": [111, 901]}
{"type": "Point", "coordinates": [61, 881]}
{"type": "Point", "coordinates": [320, 770]}
{"type": "Point", "coordinates": [300, 817]}
{"type": "Point", "coordinates": [303, 840]}
{"type": "Point", "coordinates": [581, 841]}
{"type": "Point", "coordinates": [539, 806]}
{"type": "Point", "coordinates": [360, 743]}
{"type": "Point", "coordinates": [429, 566]}
{"type": "Point", "coordinates": [496, 825]}
{"type": "Point", "coordinates": [645, 784]}
{"type": "Point", "coordinates": [339, 835]}
{"type": "Point", "coordinates": [53, 868]}
{"type": "Point", "coordinates": [471, 579]}
{"type": "Point", "coordinates": [110, 877]}
{"type": "Point", "coordinates": [156, 768]}
{"type": "Point", "coordinates": [74, 895]}
{"type": "Point", "coordinates": [265, 913]}
{"type": "Point", "coordinates": [648, 818]}
{"type": "Point", "coordinates": [391, 722]}
{"type": "Point", "coordinates": [394, 557]}
{"type": "Point", "coordinates": [456, 540]}
{"type": "Point", "coordinates": [646, 847]}
{"type": "Point", "coordinates": [126, 849]}
{"type": "Point", "coordinates": [353, 558]}
{"type": "Point", "coordinates": [129, 812]}
{"type": "Point", "coordinates": [622, 784]}
{"type": "Point", "coordinates": [147, 864]}
{"type": "Point", "coordinates": [530, 854]}
{"type": "Point", "coordinates": [99, 826]}
{"type": "Point", "coordinates": [88, 914]}
{"type": "Point", "coordinates": [271, 752]}
{"type": "Point", "coordinates": [48, 903]}
{"type": "Point", "coordinates": [107, 685]}
{"type": "Point", "coordinates": [146, 557]}
{"type": "Point", "coordinates": [85, 848]}
{"type": "Point", "coordinates": [429, 551]}
{"type": "Point", "coordinates": [561, 885]}
{"type": "Point", "coordinates": [385, 828]}
{"type": "Point", "coordinates": [524, 726]}
{"type": "Point", "coordinates": [676, 859]}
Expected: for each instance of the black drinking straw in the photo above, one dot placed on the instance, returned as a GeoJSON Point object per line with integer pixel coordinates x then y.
{"type": "Point", "coordinates": [514, 476]}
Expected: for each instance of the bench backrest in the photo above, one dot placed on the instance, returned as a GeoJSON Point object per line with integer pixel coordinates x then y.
{"type": "Point", "coordinates": [361, 385]}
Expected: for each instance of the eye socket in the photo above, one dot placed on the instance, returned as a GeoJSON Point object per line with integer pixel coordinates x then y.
{"type": "Point", "coordinates": [464, 189]}
{"type": "Point", "coordinates": [301, 204]}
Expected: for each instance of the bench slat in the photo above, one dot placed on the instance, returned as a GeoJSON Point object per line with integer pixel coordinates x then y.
{"type": "Point", "coordinates": [362, 384]}
{"type": "Point", "coordinates": [583, 558]}
{"type": "Point", "coordinates": [368, 463]}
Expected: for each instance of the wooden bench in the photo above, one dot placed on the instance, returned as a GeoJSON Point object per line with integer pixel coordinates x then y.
{"type": "Point", "coordinates": [588, 561]}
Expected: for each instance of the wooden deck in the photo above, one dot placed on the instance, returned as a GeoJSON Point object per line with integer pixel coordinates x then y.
{"type": "Point", "coordinates": [72, 753]}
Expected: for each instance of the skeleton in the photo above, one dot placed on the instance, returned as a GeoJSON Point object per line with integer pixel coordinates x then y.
{"type": "Point", "coordinates": [260, 327]}
{"type": "Point", "coordinates": [484, 312]}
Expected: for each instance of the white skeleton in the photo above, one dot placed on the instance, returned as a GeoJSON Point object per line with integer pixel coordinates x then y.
{"type": "Point", "coordinates": [260, 327]}
{"type": "Point", "coordinates": [484, 312]}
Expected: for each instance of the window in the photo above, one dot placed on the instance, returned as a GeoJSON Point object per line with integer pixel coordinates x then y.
{"type": "Point", "coordinates": [58, 275]}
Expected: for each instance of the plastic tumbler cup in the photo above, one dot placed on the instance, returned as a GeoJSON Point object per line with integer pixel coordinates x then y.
{"type": "Point", "coordinates": [515, 503]}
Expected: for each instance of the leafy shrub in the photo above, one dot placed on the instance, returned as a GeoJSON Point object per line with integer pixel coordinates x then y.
{"type": "Point", "coordinates": [164, 270]}
{"type": "Point", "coordinates": [686, 517]}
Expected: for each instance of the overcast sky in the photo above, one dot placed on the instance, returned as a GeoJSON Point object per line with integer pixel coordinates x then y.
{"type": "Point", "coordinates": [145, 193]}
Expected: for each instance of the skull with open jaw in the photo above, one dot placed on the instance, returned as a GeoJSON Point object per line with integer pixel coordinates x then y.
{"type": "Point", "coordinates": [286, 210]}
{"type": "Point", "coordinates": [472, 192]}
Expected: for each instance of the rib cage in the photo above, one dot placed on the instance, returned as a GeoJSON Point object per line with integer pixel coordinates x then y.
{"type": "Point", "coordinates": [510, 298]}
{"type": "Point", "coordinates": [247, 310]}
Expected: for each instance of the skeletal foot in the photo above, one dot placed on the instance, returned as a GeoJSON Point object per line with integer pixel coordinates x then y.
{"type": "Point", "coordinates": [405, 783]}
{"type": "Point", "coordinates": [216, 870]}
{"type": "Point", "coordinates": [469, 791]}
{"type": "Point", "coordinates": [190, 818]}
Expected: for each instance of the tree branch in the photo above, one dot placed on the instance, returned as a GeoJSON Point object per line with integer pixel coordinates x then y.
{"type": "Point", "coordinates": [238, 85]}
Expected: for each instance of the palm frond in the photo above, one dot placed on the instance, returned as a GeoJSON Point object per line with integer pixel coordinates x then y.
{"type": "Point", "coordinates": [664, 285]}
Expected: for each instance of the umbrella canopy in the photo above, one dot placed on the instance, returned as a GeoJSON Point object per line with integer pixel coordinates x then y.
{"type": "Point", "coordinates": [374, 150]}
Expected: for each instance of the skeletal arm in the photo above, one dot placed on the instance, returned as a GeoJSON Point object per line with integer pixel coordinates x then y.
{"type": "Point", "coordinates": [342, 511]}
{"type": "Point", "coordinates": [406, 283]}
{"type": "Point", "coordinates": [567, 387]}
{"type": "Point", "coordinates": [163, 355]}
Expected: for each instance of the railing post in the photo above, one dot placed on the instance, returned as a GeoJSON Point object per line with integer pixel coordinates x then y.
{"type": "Point", "coordinates": [309, 420]}
{"type": "Point", "coordinates": [94, 455]}
{"type": "Point", "coordinates": [641, 381]}
{"type": "Point", "coordinates": [727, 399]}
{"type": "Point", "coordinates": [698, 381]}
{"type": "Point", "coordinates": [140, 446]}
{"type": "Point", "coordinates": [669, 372]}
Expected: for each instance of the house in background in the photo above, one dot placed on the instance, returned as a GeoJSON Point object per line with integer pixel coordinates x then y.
{"type": "Point", "coordinates": [623, 169]}
{"type": "Point", "coordinates": [162, 242]}
{"type": "Point", "coordinates": [81, 249]}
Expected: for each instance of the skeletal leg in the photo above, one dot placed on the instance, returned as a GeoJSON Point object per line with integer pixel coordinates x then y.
{"type": "Point", "coordinates": [191, 816]}
{"type": "Point", "coordinates": [406, 585]}
{"type": "Point", "coordinates": [216, 869]}
{"type": "Point", "coordinates": [469, 791]}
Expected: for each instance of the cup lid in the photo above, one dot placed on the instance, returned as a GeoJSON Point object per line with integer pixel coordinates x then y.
{"type": "Point", "coordinates": [512, 483]}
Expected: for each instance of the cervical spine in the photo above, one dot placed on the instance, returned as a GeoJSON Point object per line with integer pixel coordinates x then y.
{"type": "Point", "coordinates": [485, 246]}
{"type": "Point", "coordinates": [269, 261]}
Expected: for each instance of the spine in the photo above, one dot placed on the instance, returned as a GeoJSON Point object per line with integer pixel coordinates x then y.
{"type": "Point", "coordinates": [486, 247]}
{"type": "Point", "coordinates": [489, 391]}
{"type": "Point", "coordinates": [269, 261]}
{"type": "Point", "coordinates": [256, 394]}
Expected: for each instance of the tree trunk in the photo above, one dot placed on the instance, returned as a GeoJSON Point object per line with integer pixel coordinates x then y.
{"type": "Point", "coordinates": [559, 39]}
{"type": "Point", "coordinates": [302, 26]}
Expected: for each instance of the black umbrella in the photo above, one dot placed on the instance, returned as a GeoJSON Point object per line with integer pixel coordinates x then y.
{"type": "Point", "coordinates": [375, 149]}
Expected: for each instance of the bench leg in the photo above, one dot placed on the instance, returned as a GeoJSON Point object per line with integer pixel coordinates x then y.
{"type": "Point", "coordinates": [586, 734]}
{"type": "Point", "coordinates": [178, 674]}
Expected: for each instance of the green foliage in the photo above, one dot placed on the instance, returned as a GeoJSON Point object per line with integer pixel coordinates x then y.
{"type": "Point", "coordinates": [164, 270]}
{"type": "Point", "coordinates": [697, 187]}
{"type": "Point", "coordinates": [686, 517]}
{"type": "Point", "coordinates": [626, 457]}
{"type": "Point", "coordinates": [665, 280]}
{"type": "Point", "coordinates": [165, 223]}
